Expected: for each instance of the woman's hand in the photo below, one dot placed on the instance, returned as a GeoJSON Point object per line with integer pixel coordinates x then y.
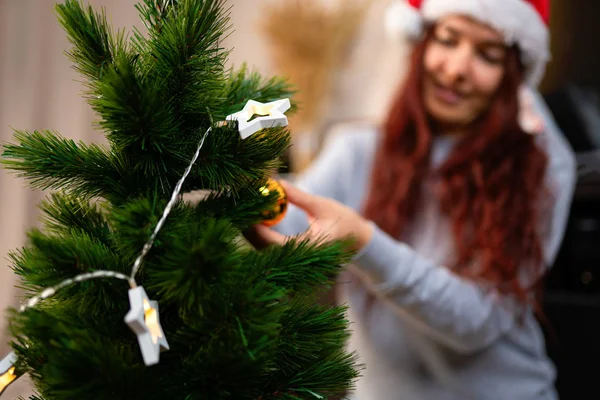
{"type": "Point", "coordinates": [327, 219]}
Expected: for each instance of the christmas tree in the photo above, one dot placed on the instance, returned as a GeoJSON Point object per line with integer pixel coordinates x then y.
{"type": "Point", "coordinates": [127, 267]}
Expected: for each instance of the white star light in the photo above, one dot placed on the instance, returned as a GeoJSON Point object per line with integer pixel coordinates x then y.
{"type": "Point", "coordinates": [7, 371]}
{"type": "Point", "coordinates": [270, 115]}
{"type": "Point", "coordinates": [144, 321]}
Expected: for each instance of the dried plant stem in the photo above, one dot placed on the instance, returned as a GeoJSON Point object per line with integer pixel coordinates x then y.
{"type": "Point", "coordinates": [310, 43]}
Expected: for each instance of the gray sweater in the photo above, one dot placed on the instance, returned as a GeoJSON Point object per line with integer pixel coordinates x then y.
{"type": "Point", "coordinates": [431, 334]}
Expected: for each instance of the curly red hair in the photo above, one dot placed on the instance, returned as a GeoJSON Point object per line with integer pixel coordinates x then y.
{"type": "Point", "coordinates": [490, 187]}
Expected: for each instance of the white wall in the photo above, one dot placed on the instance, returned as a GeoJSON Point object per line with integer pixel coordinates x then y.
{"type": "Point", "coordinates": [364, 86]}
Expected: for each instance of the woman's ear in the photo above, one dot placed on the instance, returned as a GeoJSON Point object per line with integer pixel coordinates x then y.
{"type": "Point", "coordinates": [529, 118]}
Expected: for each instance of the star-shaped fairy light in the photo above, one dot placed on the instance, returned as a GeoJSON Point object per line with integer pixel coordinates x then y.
{"type": "Point", "coordinates": [7, 371]}
{"type": "Point", "coordinates": [268, 115]}
{"type": "Point", "coordinates": [144, 321]}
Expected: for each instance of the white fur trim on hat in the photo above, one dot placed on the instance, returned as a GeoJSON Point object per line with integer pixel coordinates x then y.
{"type": "Point", "coordinates": [401, 17]}
{"type": "Point", "coordinates": [517, 20]}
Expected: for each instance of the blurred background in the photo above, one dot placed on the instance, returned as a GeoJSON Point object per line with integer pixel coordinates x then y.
{"type": "Point", "coordinates": [337, 54]}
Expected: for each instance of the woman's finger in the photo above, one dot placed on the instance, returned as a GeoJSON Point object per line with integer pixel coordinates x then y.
{"type": "Point", "coordinates": [308, 202]}
{"type": "Point", "coordinates": [254, 238]}
{"type": "Point", "coordinates": [260, 236]}
{"type": "Point", "coordinates": [269, 236]}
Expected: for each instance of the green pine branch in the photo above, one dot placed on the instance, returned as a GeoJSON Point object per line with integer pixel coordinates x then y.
{"type": "Point", "coordinates": [49, 161]}
{"type": "Point", "coordinates": [243, 209]}
{"type": "Point", "coordinates": [300, 265]}
{"type": "Point", "coordinates": [184, 48]}
{"type": "Point", "coordinates": [68, 362]}
{"type": "Point", "coordinates": [132, 109]}
{"type": "Point", "coordinates": [140, 123]}
{"type": "Point", "coordinates": [153, 12]}
{"type": "Point", "coordinates": [231, 348]}
{"type": "Point", "coordinates": [310, 360]}
{"type": "Point", "coordinates": [193, 262]}
{"type": "Point", "coordinates": [94, 44]}
{"type": "Point", "coordinates": [229, 162]}
{"type": "Point", "coordinates": [50, 259]}
{"type": "Point", "coordinates": [64, 214]}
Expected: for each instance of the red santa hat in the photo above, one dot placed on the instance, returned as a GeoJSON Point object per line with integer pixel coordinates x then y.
{"type": "Point", "coordinates": [522, 22]}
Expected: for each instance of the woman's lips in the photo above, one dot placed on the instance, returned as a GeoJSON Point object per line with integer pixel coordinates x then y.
{"type": "Point", "coordinates": [446, 95]}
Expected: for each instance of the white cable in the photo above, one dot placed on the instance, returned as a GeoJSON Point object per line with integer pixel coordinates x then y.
{"type": "Point", "coordinates": [138, 262]}
{"type": "Point", "coordinates": [67, 282]}
{"type": "Point", "coordinates": [51, 291]}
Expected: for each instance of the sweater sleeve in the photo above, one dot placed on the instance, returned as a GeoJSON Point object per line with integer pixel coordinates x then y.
{"type": "Point", "coordinates": [453, 310]}
{"type": "Point", "coordinates": [330, 176]}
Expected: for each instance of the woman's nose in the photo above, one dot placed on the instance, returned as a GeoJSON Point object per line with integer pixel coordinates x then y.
{"type": "Point", "coordinates": [457, 64]}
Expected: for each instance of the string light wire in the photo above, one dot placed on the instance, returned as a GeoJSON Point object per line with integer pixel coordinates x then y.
{"type": "Point", "coordinates": [51, 291]}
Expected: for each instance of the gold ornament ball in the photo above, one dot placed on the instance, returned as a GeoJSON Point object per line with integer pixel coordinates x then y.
{"type": "Point", "coordinates": [277, 213]}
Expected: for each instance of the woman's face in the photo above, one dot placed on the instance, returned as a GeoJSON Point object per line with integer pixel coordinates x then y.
{"type": "Point", "coordinates": [464, 66]}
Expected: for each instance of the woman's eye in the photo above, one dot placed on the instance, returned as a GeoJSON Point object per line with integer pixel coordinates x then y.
{"type": "Point", "coordinates": [491, 57]}
{"type": "Point", "coordinates": [445, 41]}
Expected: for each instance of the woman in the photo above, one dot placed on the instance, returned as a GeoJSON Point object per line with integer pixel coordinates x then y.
{"type": "Point", "coordinates": [457, 212]}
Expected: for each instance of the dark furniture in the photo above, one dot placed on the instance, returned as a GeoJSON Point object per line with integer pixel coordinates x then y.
{"type": "Point", "coordinates": [572, 293]}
